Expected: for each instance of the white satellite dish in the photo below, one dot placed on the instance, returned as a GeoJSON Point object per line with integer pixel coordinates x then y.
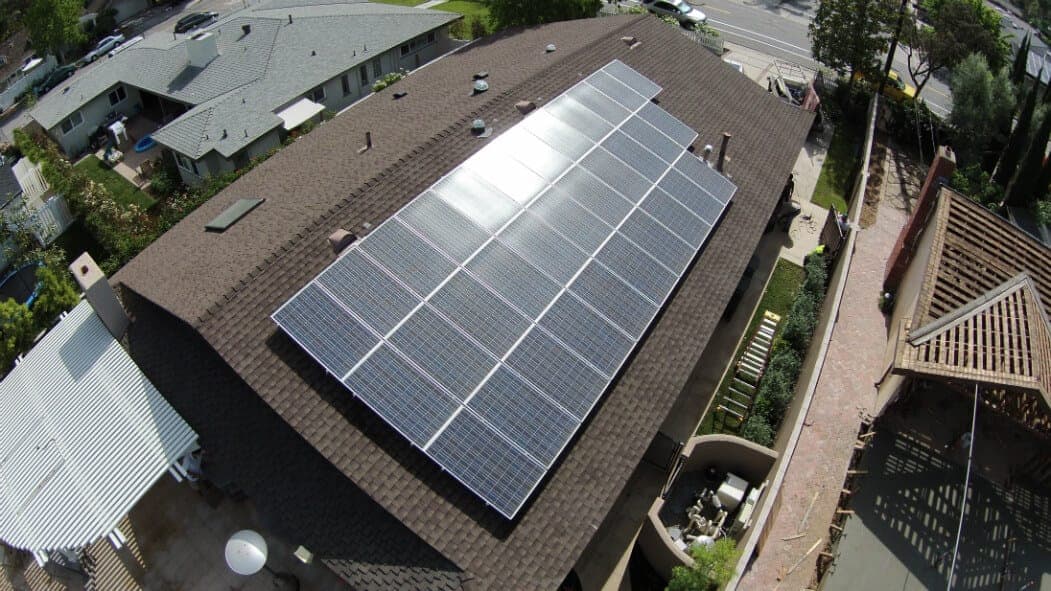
{"type": "Point", "coordinates": [246, 552]}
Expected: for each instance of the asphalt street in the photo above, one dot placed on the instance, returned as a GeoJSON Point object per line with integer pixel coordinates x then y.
{"type": "Point", "coordinates": [780, 29]}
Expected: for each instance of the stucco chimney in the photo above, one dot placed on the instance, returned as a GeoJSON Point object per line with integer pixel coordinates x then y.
{"type": "Point", "coordinates": [202, 48]}
{"type": "Point", "coordinates": [100, 294]}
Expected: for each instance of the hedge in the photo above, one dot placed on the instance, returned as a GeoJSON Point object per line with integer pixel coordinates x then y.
{"type": "Point", "coordinates": [777, 386]}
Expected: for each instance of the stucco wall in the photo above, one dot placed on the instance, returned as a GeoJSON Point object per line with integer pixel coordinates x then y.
{"type": "Point", "coordinates": [727, 453]}
{"type": "Point", "coordinates": [94, 113]}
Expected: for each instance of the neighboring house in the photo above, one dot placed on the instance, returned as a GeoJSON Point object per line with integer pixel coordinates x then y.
{"type": "Point", "coordinates": [233, 91]}
{"type": "Point", "coordinates": [333, 475]}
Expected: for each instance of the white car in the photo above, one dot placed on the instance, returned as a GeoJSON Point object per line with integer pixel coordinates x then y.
{"type": "Point", "coordinates": [682, 11]}
{"type": "Point", "coordinates": [104, 46]}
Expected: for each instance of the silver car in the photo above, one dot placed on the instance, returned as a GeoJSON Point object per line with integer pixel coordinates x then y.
{"type": "Point", "coordinates": [104, 46]}
{"type": "Point", "coordinates": [680, 10]}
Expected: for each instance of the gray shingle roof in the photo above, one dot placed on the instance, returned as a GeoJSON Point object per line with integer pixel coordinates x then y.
{"type": "Point", "coordinates": [254, 73]}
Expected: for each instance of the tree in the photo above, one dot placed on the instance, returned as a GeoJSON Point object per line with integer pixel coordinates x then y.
{"type": "Point", "coordinates": [57, 293]}
{"type": "Point", "coordinates": [1018, 67]}
{"type": "Point", "coordinates": [54, 24]}
{"type": "Point", "coordinates": [1024, 189]}
{"type": "Point", "coordinates": [849, 35]}
{"type": "Point", "coordinates": [516, 13]}
{"type": "Point", "coordinates": [981, 101]}
{"type": "Point", "coordinates": [713, 566]}
{"type": "Point", "coordinates": [16, 331]}
{"type": "Point", "coordinates": [1018, 140]}
{"type": "Point", "coordinates": [956, 29]}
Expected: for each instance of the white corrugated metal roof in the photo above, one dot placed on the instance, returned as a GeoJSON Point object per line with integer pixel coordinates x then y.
{"type": "Point", "coordinates": [83, 435]}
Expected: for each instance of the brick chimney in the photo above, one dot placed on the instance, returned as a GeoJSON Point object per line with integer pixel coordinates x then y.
{"type": "Point", "coordinates": [938, 175]}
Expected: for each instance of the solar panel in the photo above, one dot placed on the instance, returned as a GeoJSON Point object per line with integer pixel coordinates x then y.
{"type": "Point", "coordinates": [485, 319]}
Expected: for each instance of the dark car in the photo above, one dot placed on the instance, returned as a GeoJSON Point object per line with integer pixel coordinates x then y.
{"type": "Point", "coordinates": [54, 79]}
{"type": "Point", "coordinates": [194, 20]}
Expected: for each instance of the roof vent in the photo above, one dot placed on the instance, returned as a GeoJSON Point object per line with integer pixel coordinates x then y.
{"type": "Point", "coordinates": [525, 107]}
{"type": "Point", "coordinates": [290, 19]}
{"type": "Point", "coordinates": [340, 239]}
{"type": "Point", "coordinates": [224, 135]}
{"type": "Point", "coordinates": [550, 47]}
{"type": "Point", "coordinates": [246, 29]}
{"type": "Point", "coordinates": [313, 52]}
{"type": "Point", "coordinates": [481, 75]}
{"type": "Point", "coordinates": [478, 128]}
{"type": "Point", "coordinates": [480, 86]}
{"type": "Point", "coordinates": [231, 215]}
{"type": "Point", "coordinates": [399, 94]}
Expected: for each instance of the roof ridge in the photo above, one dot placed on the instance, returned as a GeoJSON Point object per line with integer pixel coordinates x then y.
{"type": "Point", "coordinates": [975, 306]}
{"type": "Point", "coordinates": [460, 124]}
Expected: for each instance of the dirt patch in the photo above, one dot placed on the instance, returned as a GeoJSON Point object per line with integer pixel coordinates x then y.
{"type": "Point", "coordinates": [874, 186]}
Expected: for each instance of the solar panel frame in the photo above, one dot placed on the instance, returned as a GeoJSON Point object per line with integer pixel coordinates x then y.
{"type": "Point", "coordinates": [546, 310]}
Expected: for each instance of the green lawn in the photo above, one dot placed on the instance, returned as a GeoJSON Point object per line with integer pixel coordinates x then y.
{"type": "Point", "coordinates": [122, 190]}
{"type": "Point", "coordinates": [839, 169]}
{"type": "Point", "coordinates": [467, 8]}
{"type": "Point", "coordinates": [401, 2]}
{"type": "Point", "coordinates": [780, 291]}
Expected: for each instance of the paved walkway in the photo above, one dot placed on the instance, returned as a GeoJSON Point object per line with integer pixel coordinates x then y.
{"type": "Point", "coordinates": [845, 392]}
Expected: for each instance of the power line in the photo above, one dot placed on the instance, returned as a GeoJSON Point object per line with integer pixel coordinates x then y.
{"type": "Point", "coordinates": [966, 486]}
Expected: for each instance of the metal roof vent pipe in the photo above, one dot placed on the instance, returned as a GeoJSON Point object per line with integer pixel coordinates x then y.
{"type": "Point", "coordinates": [340, 239]}
{"type": "Point", "coordinates": [368, 143]}
{"type": "Point", "coordinates": [246, 29]}
{"type": "Point", "coordinates": [722, 152]}
{"type": "Point", "coordinates": [290, 19]}
{"type": "Point", "coordinates": [99, 293]}
{"type": "Point", "coordinates": [708, 149]}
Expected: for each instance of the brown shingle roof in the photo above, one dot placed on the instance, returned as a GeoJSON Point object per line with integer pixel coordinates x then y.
{"type": "Point", "coordinates": [226, 285]}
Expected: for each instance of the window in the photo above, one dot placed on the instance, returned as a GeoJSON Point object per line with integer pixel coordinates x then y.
{"type": "Point", "coordinates": [377, 68]}
{"type": "Point", "coordinates": [71, 122]}
{"type": "Point", "coordinates": [363, 72]}
{"type": "Point", "coordinates": [317, 95]}
{"type": "Point", "coordinates": [431, 37]}
{"type": "Point", "coordinates": [405, 49]}
{"type": "Point", "coordinates": [186, 164]}
{"type": "Point", "coordinates": [117, 95]}
{"type": "Point", "coordinates": [345, 81]}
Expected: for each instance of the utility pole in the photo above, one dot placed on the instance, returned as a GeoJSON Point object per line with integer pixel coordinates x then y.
{"type": "Point", "coordinates": [893, 47]}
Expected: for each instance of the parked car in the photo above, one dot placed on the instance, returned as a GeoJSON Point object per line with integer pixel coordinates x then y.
{"type": "Point", "coordinates": [194, 20]}
{"type": "Point", "coordinates": [682, 11]}
{"type": "Point", "coordinates": [103, 47]}
{"type": "Point", "coordinates": [895, 88]}
{"type": "Point", "coordinates": [54, 79]}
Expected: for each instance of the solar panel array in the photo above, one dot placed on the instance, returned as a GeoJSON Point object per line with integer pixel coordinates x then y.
{"type": "Point", "coordinates": [485, 319]}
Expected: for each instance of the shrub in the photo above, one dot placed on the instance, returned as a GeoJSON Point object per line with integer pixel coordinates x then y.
{"type": "Point", "coordinates": [816, 277]}
{"type": "Point", "coordinates": [16, 331]}
{"type": "Point", "coordinates": [713, 566]}
{"type": "Point", "coordinates": [387, 80]}
{"type": "Point", "coordinates": [757, 430]}
{"type": "Point", "coordinates": [458, 30]}
{"type": "Point", "coordinates": [57, 293]}
{"type": "Point", "coordinates": [477, 27]}
{"type": "Point", "coordinates": [802, 319]}
{"type": "Point", "coordinates": [162, 184]}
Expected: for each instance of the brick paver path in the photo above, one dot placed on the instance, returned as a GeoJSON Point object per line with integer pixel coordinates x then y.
{"type": "Point", "coordinates": [845, 392]}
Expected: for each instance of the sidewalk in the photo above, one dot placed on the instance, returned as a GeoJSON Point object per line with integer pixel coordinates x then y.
{"type": "Point", "coordinates": [845, 392]}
